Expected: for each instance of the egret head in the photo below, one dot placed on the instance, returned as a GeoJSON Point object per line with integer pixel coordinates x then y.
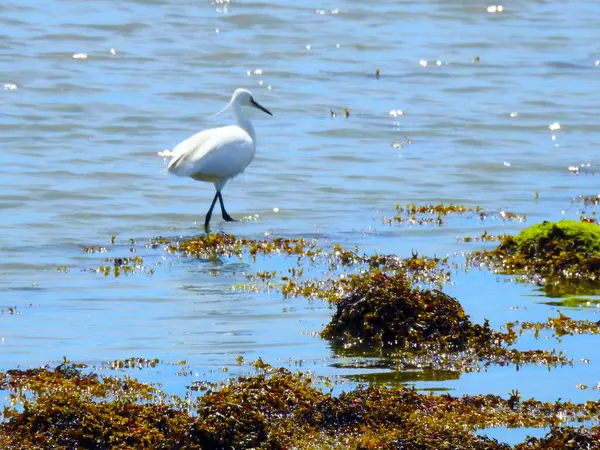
{"type": "Point", "coordinates": [243, 97]}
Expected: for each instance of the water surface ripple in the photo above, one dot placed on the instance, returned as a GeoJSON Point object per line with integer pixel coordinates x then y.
{"type": "Point", "coordinates": [80, 138]}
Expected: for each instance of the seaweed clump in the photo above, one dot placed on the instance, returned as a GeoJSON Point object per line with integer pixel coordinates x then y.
{"type": "Point", "coordinates": [69, 409]}
{"type": "Point", "coordinates": [262, 411]}
{"type": "Point", "coordinates": [385, 311]}
{"type": "Point", "coordinates": [549, 251]}
{"type": "Point", "coordinates": [274, 409]}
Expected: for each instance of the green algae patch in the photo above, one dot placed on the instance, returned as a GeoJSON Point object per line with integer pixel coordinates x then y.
{"type": "Point", "coordinates": [271, 409]}
{"type": "Point", "coordinates": [565, 236]}
{"type": "Point", "coordinates": [548, 252]}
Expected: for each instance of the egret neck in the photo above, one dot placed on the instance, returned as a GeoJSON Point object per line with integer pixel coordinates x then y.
{"type": "Point", "coordinates": [243, 121]}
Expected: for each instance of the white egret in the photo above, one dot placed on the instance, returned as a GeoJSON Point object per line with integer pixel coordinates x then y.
{"type": "Point", "coordinates": [218, 154]}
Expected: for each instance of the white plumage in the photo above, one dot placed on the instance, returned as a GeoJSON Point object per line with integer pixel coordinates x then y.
{"type": "Point", "coordinates": [218, 154]}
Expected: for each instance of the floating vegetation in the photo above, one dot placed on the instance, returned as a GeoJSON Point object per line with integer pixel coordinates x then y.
{"type": "Point", "coordinates": [334, 114]}
{"type": "Point", "coordinates": [11, 310]}
{"type": "Point", "coordinates": [273, 409]}
{"type": "Point", "coordinates": [213, 246]}
{"type": "Point", "coordinates": [485, 237]}
{"type": "Point", "coordinates": [378, 306]}
{"type": "Point", "coordinates": [548, 252]}
{"type": "Point", "coordinates": [591, 200]}
{"type": "Point", "coordinates": [132, 363]}
{"type": "Point", "coordinates": [380, 311]}
{"type": "Point", "coordinates": [434, 214]}
{"type": "Point", "coordinates": [431, 270]}
{"type": "Point", "coordinates": [476, 359]}
{"type": "Point", "coordinates": [440, 210]}
{"type": "Point", "coordinates": [123, 266]}
{"type": "Point", "coordinates": [561, 326]}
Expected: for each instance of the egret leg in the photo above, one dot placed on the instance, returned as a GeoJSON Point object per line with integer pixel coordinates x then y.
{"type": "Point", "coordinates": [209, 213]}
{"type": "Point", "coordinates": [226, 217]}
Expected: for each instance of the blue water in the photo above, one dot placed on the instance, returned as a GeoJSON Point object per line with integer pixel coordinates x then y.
{"type": "Point", "coordinates": [80, 141]}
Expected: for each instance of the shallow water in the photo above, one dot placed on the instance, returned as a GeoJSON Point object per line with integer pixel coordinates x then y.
{"type": "Point", "coordinates": [81, 137]}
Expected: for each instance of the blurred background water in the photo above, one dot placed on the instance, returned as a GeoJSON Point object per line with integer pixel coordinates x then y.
{"type": "Point", "coordinates": [471, 106]}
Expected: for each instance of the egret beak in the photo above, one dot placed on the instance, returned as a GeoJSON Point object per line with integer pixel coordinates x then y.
{"type": "Point", "coordinates": [257, 106]}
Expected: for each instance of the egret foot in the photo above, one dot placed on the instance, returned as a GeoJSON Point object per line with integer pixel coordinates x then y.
{"type": "Point", "coordinates": [226, 217]}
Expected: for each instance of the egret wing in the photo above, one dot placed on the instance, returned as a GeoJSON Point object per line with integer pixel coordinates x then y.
{"type": "Point", "coordinates": [222, 153]}
{"type": "Point", "coordinates": [189, 145]}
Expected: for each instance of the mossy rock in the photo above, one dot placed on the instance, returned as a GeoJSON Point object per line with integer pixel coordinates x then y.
{"type": "Point", "coordinates": [385, 311]}
{"type": "Point", "coordinates": [549, 253]}
{"type": "Point", "coordinates": [563, 236]}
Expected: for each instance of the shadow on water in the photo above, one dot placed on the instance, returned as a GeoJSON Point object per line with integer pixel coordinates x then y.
{"type": "Point", "coordinates": [397, 377]}
{"type": "Point", "coordinates": [574, 294]}
{"type": "Point", "coordinates": [368, 366]}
